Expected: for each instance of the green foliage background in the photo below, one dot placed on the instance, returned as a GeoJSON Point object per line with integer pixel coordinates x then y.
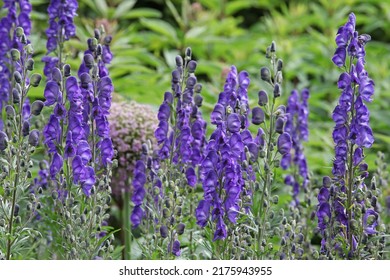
{"type": "Point", "coordinates": [148, 34]}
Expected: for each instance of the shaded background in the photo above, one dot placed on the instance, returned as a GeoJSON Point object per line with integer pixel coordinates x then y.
{"type": "Point", "coordinates": [148, 34]}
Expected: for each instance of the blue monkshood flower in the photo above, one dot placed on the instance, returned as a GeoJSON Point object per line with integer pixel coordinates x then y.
{"type": "Point", "coordinates": [56, 165]}
{"type": "Point", "coordinates": [106, 150]}
{"type": "Point", "coordinates": [136, 216]}
{"type": "Point", "coordinates": [52, 133]}
{"type": "Point", "coordinates": [176, 248]}
{"type": "Point", "coordinates": [370, 221]}
{"type": "Point", "coordinates": [284, 143]}
{"type": "Point", "coordinates": [202, 213]}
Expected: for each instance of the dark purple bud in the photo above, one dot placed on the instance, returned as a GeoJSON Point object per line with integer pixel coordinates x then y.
{"type": "Point", "coordinates": [163, 231]}
{"type": "Point", "coordinates": [284, 143]}
{"type": "Point", "coordinates": [92, 44]}
{"type": "Point", "coordinates": [198, 100]}
{"type": "Point", "coordinates": [188, 53]}
{"type": "Point", "coordinates": [99, 49]}
{"type": "Point", "coordinates": [36, 107]}
{"type": "Point", "coordinates": [10, 111]}
{"type": "Point", "coordinates": [198, 88]}
{"type": "Point", "coordinates": [277, 90]}
{"type": "Point", "coordinates": [96, 33]}
{"type": "Point", "coordinates": [180, 228]}
{"type": "Point", "coordinates": [258, 116]}
{"type": "Point", "coordinates": [273, 47]}
{"type": "Point", "coordinates": [191, 81]}
{"type": "Point", "coordinates": [30, 64]}
{"type": "Point", "coordinates": [265, 74]}
{"type": "Point", "coordinates": [89, 61]}
{"type": "Point", "coordinates": [85, 80]}
{"type": "Point", "coordinates": [233, 123]}
{"type": "Point", "coordinates": [35, 79]}
{"type": "Point", "coordinates": [326, 182]}
{"type": "Point", "coordinates": [279, 65]}
{"type": "Point", "coordinates": [263, 98]}
{"type": "Point", "coordinates": [107, 40]}
{"type": "Point", "coordinates": [179, 61]}
{"type": "Point", "coordinates": [33, 138]}
{"type": "Point", "coordinates": [175, 76]}
{"type": "Point", "coordinates": [15, 96]}
{"type": "Point", "coordinates": [26, 128]}
{"type": "Point", "coordinates": [18, 77]}
{"type": "Point", "coordinates": [192, 66]}
{"type": "Point", "coordinates": [3, 140]}
{"type": "Point", "coordinates": [66, 70]}
{"type": "Point", "coordinates": [279, 125]}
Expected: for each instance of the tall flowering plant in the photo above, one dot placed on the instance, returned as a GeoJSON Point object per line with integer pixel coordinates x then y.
{"type": "Point", "coordinates": [164, 180]}
{"type": "Point", "coordinates": [78, 141]}
{"type": "Point", "coordinates": [17, 144]}
{"type": "Point", "coordinates": [346, 212]}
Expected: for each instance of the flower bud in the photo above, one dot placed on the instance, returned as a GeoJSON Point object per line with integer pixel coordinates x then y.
{"type": "Point", "coordinates": [279, 77]}
{"type": "Point", "coordinates": [66, 70]}
{"type": "Point", "coordinates": [56, 75]}
{"type": "Point", "coordinates": [279, 125]}
{"type": "Point", "coordinates": [19, 32]}
{"type": "Point", "coordinates": [29, 49]}
{"type": "Point", "coordinates": [188, 53]}
{"type": "Point", "coordinates": [30, 64]}
{"type": "Point", "coordinates": [277, 90]}
{"type": "Point", "coordinates": [3, 141]}
{"type": "Point", "coordinates": [10, 111]}
{"type": "Point", "coordinates": [15, 55]}
{"type": "Point", "coordinates": [92, 44]}
{"type": "Point", "coordinates": [279, 65]}
{"type": "Point", "coordinates": [265, 74]}
{"type": "Point", "coordinates": [179, 61]}
{"type": "Point", "coordinates": [268, 52]}
{"type": "Point", "coordinates": [35, 79]}
{"type": "Point", "coordinates": [107, 40]}
{"type": "Point", "coordinates": [89, 61]}
{"type": "Point", "coordinates": [26, 128]}
{"type": "Point", "coordinates": [180, 228]}
{"type": "Point", "coordinates": [85, 79]}
{"type": "Point", "coordinates": [15, 96]}
{"type": "Point", "coordinates": [18, 77]}
{"type": "Point", "coordinates": [99, 50]}
{"type": "Point", "coordinates": [198, 88]}
{"type": "Point", "coordinates": [263, 98]}
{"type": "Point", "coordinates": [163, 231]}
{"type": "Point", "coordinates": [258, 116]}
{"type": "Point", "coordinates": [327, 182]}
{"type": "Point", "coordinates": [273, 47]}
{"type": "Point", "coordinates": [198, 100]}
{"type": "Point", "coordinates": [97, 34]}
{"type": "Point", "coordinates": [36, 107]}
{"type": "Point", "coordinates": [192, 66]}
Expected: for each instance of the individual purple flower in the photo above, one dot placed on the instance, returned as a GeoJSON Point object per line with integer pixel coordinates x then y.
{"type": "Point", "coordinates": [107, 151]}
{"type": "Point", "coordinates": [136, 216]}
{"type": "Point", "coordinates": [56, 165]}
{"type": "Point", "coordinates": [176, 248]}
{"type": "Point", "coordinates": [284, 143]}
{"type": "Point", "coordinates": [370, 221]}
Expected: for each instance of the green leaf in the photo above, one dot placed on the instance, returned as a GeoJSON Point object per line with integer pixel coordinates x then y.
{"type": "Point", "coordinates": [102, 7]}
{"type": "Point", "coordinates": [161, 27]}
{"type": "Point", "coordinates": [124, 8]}
{"type": "Point", "coordinates": [142, 12]}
